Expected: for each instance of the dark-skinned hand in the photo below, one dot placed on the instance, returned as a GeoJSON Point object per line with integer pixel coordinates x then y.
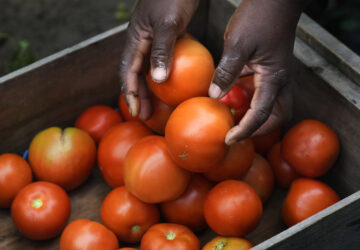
{"type": "Point", "coordinates": [259, 39]}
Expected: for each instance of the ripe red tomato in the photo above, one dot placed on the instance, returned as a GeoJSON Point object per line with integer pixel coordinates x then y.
{"type": "Point", "coordinates": [195, 133]}
{"type": "Point", "coordinates": [83, 234]}
{"type": "Point", "coordinates": [283, 172]}
{"type": "Point", "coordinates": [158, 119]}
{"type": "Point", "coordinates": [247, 82]}
{"type": "Point", "coordinates": [113, 148]}
{"type": "Point", "coordinates": [191, 73]}
{"type": "Point", "coordinates": [168, 236]}
{"type": "Point", "coordinates": [64, 157]}
{"type": "Point", "coordinates": [232, 208]}
{"type": "Point", "coordinates": [305, 198]}
{"type": "Point", "coordinates": [238, 100]}
{"type": "Point", "coordinates": [263, 143]}
{"type": "Point", "coordinates": [188, 209]}
{"type": "Point", "coordinates": [228, 243]}
{"type": "Point", "coordinates": [127, 216]}
{"type": "Point", "coordinates": [41, 210]}
{"type": "Point", "coordinates": [97, 119]}
{"type": "Point", "coordinates": [15, 173]}
{"type": "Point", "coordinates": [236, 163]}
{"type": "Point", "coordinates": [151, 174]}
{"type": "Point", "coordinates": [260, 177]}
{"type": "Point", "coordinates": [310, 147]}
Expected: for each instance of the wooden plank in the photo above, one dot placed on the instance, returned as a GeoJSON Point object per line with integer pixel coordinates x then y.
{"type": "Point", "coordinates": [329, 47]}
{"type": "Point", "coordinates": [336, 227]}
{"type": "Point", "coordinates": [54, 91]}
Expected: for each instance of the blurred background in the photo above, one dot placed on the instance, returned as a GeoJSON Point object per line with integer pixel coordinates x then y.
{"type": "Point", "coordinates": [31, 30]}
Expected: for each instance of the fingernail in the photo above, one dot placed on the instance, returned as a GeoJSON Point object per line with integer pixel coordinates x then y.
{"type": "Point", "coordinates": [214, 91]}
{"type": "Point", "coordinates": [132, 105]}
{"type": "Point", "coordinates": [159, 74]}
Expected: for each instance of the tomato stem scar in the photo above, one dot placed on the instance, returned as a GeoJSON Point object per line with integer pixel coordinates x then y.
{"type": "Point", "coordinates": [170, 236]}
{"type": "Point", "coordinates": [37, 203]}
{"type": "Point", "coordinates": [220, 245]}
{"type": "Point", "coordinates": [135, 228]}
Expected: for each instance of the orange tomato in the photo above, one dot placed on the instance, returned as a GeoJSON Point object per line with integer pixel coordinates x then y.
{"type": "Point", "coordinates": [191, 73]}
{"type": "Point", "coordinates": [263, 143]}
{"type": "Point", "coordinates": [62, 156]}
{"type": "Point", "coordinates": [113, 148]}
{"type": "Point", "coordinates": [158, 119]}
{"type": "Point", "coordinates": [83, 234]}
{"type": "Point", "coordinates": [228, 243]}
{"type": "Point", "coordinates": [151, 174]}
{"type": "Point", "coordinates": [232, 208]}
{"type": "Point", "coordinates": [261, 177]}
{"type": "Point", "coordinates": [188, 209]}
{"type": "Point", "coordinates": [15, 173]}
{"type": "Point", "coordinates": [305, 198]}
{"type": "Point", "coordinates": [41, 210]}
{"type": "Point", "coordinates": [310, 147]}
{"type": "Point", "coordinates": [97, 119]}
{"type": "Point", "coordinates": [167, 236]}
{"type": "Point", "coordinates": [195, 133]}
{"type": "Point", "coordinates": [236, 163]}
{"type": "Point", "coordinates": [283, 172]}
{"type": "Point", "coordinates": [127, 216]}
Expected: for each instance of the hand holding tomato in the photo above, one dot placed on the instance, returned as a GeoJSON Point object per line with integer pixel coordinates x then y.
{"type": "Point", "coordinates": [153, 31]}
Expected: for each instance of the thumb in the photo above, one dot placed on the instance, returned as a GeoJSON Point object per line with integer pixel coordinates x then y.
{"type": "Point", "coordinates": [226, 73]}
{"type": "Point", "coordinates": [162, 52]}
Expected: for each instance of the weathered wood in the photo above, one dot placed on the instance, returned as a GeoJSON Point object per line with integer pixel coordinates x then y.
{"type": "Point", "coordinates": [55, 90]}
{"type": "Point", "coordinates": [329, 47]}
{"type": "Point", "coordinates": [336, 227]}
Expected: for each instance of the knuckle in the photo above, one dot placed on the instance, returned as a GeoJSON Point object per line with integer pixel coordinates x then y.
{"type": "Point", "coordinates": [224, 77]}
{"type": "Point", "coordinates": [261, 115]}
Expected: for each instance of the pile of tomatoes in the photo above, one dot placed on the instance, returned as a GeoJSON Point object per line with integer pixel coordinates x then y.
{"type": "Point", "coordinates": [172, 175]}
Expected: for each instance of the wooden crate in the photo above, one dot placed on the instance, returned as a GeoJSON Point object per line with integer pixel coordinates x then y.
{"type": "Point", "coordinates": [55, 90]}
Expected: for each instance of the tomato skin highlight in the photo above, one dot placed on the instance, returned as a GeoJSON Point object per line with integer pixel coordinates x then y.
{"type": "Point", "coordinates": [167, 236]}
{"type": "Point", "coordinates": [64, 157]}
{"type": "Point", "coordinates": [127, 216]}
{"type": "Point", "coordinates": [41, 210]}
{"type": "Point", "coordinates": [232, 208]}
{"type": "Point", "coordinates": [83, 234]}
{"type": "Point", "coordinates": [188, 209]}
{"type": "Point", "coordinates": [97, 119]}
{"type": "Point", "coordinates": [283, 172]}
{"type": "Point", "coordinates": [235, 164]}
{"type": "Point", "coordinates": [311, 148]}
{"type": "Point", "coordinates": [151, 174]}
{"type": "Point", "coordinates": [228, 243]}
{"type": "Point", "coordinates": [195, 133]}
{"type": "Point", "coordinates": [113, 148]}
{"type": "Point", "coordinates": [305, 198]}
{"type": "Point", "coordinates": [15, 173]}
{"type": "Point", "coordinates": [191, 73]}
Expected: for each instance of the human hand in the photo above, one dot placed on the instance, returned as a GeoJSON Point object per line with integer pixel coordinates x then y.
{"type": "Point", "coordinates": [154, 27]}
{"type": "Point", "coordinates": [259, 39]}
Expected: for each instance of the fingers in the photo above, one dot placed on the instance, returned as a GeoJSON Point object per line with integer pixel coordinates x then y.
{"type": "Point", "coordinates": [145, 102]}
{"type": "Point", "coordinates": [135, 49]}
{"type": "Point", "coordinates": [162, 51]}
{"type": "Point", "coordinates": [226, 72]}
{"type": "Point", "coordinates": [267, 86]}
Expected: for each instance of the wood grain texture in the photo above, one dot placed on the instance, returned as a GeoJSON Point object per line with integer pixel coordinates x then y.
{"type": "Point", "coordinates": [55, 90]}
